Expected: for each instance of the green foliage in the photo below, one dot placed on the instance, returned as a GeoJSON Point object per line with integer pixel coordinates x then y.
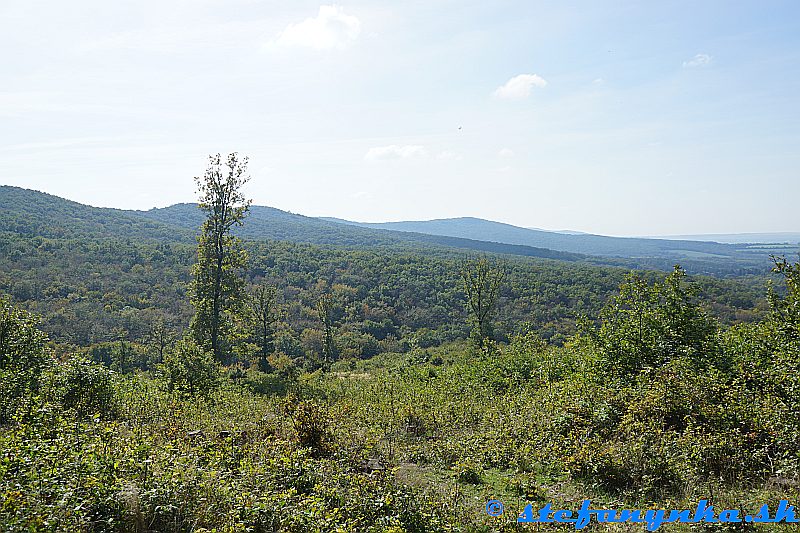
{"type": "Point", "coordinates": [467, 472]}
{"type": "Point", "coordinates": [120, 356]}
{"type": "Point", "coordinates": [264, 383]}
{"type": "Point", "coordinates": [284, 365]}
{"type": "Point", "coordinates": [357, 345]}
{"type": "Point", "coordinates": [83, 387]}
{"type": "Point", "coordinates": [310, 423]}
{"type": "Point", "coordinates": [786, 309]}
{"type": "Point", "coordinates": [239, 471]}
{"type": "Point", "coordinates": [647, 325]}
{"type": "Point", "coordinates": [263, 314]}
{"type": "Point", "coordinates": [31, 213]}
{"type": "Point", "coordinates": [325, 311]}
{"type": "Point", "coordinates": [411, 442]}
{"type": "Point", "coordinates": [22, 356]}
{"type": "Point", "coordinates": [91, 292]}
{"type": "Point", "coordinates": [190, 369]}
{"type": "Point", "coordinates": [654, 404]}
{"type": "Point", "coordinates": [217, 288]}
{"type": "Point", "coordinates": [481, 282]}
{"type": "Point", "coordinates": [682, 419]}
{"type": "Point", "coordinates": [159, 337]}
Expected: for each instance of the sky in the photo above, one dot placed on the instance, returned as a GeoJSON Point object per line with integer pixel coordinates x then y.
{"type": "Point", "coordinates": [617, 118]}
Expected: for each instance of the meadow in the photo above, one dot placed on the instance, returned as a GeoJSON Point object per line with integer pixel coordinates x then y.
{"type": "Point", "coordinates": [652, 405]}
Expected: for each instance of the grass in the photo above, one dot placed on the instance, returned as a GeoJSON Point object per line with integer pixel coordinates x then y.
{"type": "Point", "coordinates": [405, 448]}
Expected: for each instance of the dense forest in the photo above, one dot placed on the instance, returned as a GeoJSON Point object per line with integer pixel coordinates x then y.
{"type": "Point", "coordinates": [154, 379]}
{"type": "Point", "coordinates": [36, 214]}
{"type": "Point", "coordinates": [90, 291]}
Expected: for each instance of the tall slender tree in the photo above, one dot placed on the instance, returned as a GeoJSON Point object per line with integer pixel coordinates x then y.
{"type": "Point", "coordinates": [217, 288]}
{"type": "Point", "coordinates": [265, 313]}
{"type": "Point", "coordinates": [325, 313]}
{"type": "Point", "coordinates": [159, 335]}
{"type": "Point", "coordinates": [482, 280]}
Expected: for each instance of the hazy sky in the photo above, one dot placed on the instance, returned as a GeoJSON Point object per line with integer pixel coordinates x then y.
{"type": "Point", "coordinates": [624, 118]}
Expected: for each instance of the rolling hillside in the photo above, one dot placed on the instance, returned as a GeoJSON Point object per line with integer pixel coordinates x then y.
{"type": "Point", "coordinates": [594, 245]}
{"type": "Point", "coordinates": [32, 213]}
{"type": "Point", "coordinates": [37, 214]}
{"type": "Point", "coordinates": [94, 274]}
{"type": "Point", "coordinates": [785, 237]}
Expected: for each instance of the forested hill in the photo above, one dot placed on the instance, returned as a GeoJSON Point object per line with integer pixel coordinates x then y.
{"type": "Point", "coordinates": [268, 223]}
{"type": "Point", "coordinates": [598, 245]}
{"type": "Point", "coordinates": [37, 214]}
{"type": "Point", "coordinates": [101, 274]}
{"type": "Point", "coordinates": [33, 213]}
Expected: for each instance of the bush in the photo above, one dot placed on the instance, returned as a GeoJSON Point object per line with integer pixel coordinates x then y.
{"type": "Point", "coordinates": [284, 366]}
{"type": "Point", "coordinates": [647, 325]}
{"type": "Point", "coordinates": [467, 472]}
{"type": "Point", "coordinates": [264, 383]}
{"type": "Point", "coordinates": [426, 338]}
{"type": "Point", "coordinates": [189, 369]}
{"type": "Point", "coordinates": [357, 346]}
{"type": "Point", "coordinates": [84, 387]}
{"type": "Point", "coordinates": [22, 357]}
{"type": "Point", "coordinates": [310, 422]}
{"type": "Point", "coordinates": [120, 356]}
{"type": "Point", "coordinates": [286, 342]}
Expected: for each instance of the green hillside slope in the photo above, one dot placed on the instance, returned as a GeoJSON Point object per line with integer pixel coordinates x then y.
{"type": "Point", "coordinates": [588, 244]}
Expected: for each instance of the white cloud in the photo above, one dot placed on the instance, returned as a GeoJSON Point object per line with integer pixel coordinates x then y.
{"type": "Point", "coordinates": [700, 60]}
{"type": "Point", "coordinates": [331, 28]}
{"type": "Point", "coordinates": [519, 87]}
{"type": "Point", "coordinates": [395, 151]}
{"type": "Point", "coordinates": [506, 152]}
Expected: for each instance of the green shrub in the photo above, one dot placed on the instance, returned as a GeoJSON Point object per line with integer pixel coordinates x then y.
{"type": "Point", "coordinates": [467, 472]}
{"type": "Point", "coordinates": [358, 346]}
{"type": "Point", "coordinates": [310, 422]}
{"type": "Point", "coordinates": [190, 369]}
{"type": "Point", "coordinates": [647, 325]}
{"type": "Point", "coordinates": [265, 383]}
{"type": "Point", "coordinates": [22, 357]}
{"type": "Point", "coordinates": [120, 356]}
{"type": "Point", "coordinates": [284, 365]}
{"type": "Point", "coordinates": [84, 387]}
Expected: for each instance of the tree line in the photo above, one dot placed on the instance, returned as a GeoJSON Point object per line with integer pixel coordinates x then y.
{"type": "Point", "coordinates": [223, 310]}
{"type": "Point", "coordinates": [127, 301]}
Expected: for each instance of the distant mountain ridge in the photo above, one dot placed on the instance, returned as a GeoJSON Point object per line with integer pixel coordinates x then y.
{"type": "Point", "coordinates": [271, 223]}
{"type": "Point", "coordinates": [33, 213]}
{"type": "Point", "coordinates": [37, 214]}
{"type": "Point", "coordinates": [585, 243]}
{"type": "Point", "coordinates": [780, 237]}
